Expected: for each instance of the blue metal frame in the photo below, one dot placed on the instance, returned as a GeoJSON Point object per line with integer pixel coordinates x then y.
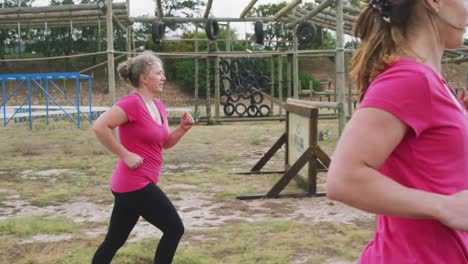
{"type": "Point", "coordinates": [37, 80]}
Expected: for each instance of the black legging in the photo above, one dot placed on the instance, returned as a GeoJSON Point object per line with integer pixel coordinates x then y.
{"type": "Point", "coordinates": [153, 205]}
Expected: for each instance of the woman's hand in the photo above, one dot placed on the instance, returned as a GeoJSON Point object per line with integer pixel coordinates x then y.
{"type": "Point", "coordinates": [132, 160]}
{"type": "Point", "coordinates": [186, 121]}
{"type": "Point", "coordinates": [453, 211]}
{"type": "Point", "coordinates": [464, 98]}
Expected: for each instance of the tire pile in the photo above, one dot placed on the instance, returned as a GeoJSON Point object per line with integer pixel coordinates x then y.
{"type": "Point", "coordinates": [243, 82]}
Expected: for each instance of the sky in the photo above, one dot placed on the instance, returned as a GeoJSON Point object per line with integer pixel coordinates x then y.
{"type": "Point", "coordinates": [220, 8]}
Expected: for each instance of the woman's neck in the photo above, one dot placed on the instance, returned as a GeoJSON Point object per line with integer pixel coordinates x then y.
{"type": "Point", "coordinates": [428, 48]}
{"type": "Point", "coordinates": [147, 97]}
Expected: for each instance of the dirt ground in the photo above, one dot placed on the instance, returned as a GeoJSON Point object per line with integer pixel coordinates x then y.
{"type": "Point", "coordinates": [63, 172]}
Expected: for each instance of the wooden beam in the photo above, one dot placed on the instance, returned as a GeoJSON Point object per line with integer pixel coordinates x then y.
{"type": "Point", "coordinates": [58, 8]}
{"type": "Point", "coordinates": [67, 15]}
{"type": "Point", "coordinates": [160, 9]}
{"type": "Point", "coordinates": [247, 8]}
{"type": "Point", "coordinates": [201, 19]}
{"type": "Point", "coordinates": [116, 21]}
{"type": "Point", "coordinates": [208, 8]}
{"type": "Point", "coordinates": [287, 8]}
{"type": "Point", "coordinates": [317, 10]}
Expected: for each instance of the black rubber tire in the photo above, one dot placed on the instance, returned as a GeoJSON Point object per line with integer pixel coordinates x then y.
{"type": "Point", "coordinates": [257, 97]}
{"type": "Point", "coordinates": [229, 109]}
{"type": "Point", "coordinates": [157, 31]}
{"type": "Point", "coordinates": [305, 32]}
{"type": "Point", "coordinates": [252, 110]}
{"type": "Point", "coordinates": [259, 32]}
{"type": "Point", "coordinates": [264, 110]}
{"type": "Point", "coordinates": [241, 109]}
{"type": "Point", "coordinates": [211, 29]}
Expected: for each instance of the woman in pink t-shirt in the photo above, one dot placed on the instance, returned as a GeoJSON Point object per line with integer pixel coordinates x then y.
{"type": "Point", "coordinates": [404, 153]}
{"type": "Point", "coordinates": [143, 134]}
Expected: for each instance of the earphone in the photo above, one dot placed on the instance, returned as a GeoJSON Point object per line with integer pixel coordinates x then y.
{"type": "Point", "coordinates": [441, 18]}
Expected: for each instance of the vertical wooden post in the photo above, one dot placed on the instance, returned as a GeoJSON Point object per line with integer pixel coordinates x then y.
{"type": "Point", "coordinates": [272, 84]}
{"type": "Point", "coordinates": [280, 83]}
{"type": "Point", "coordinates": [288, 76]}
{"type": "Point", "coordinates": [228, 37]}
{"type": "Point", "coordinates": [295, 66]}
{"type": "Point", "coordinates": [197, 83]}
{"type": "Point", "coordinates": [340, 70]}
{"type": "Point", "coordinates": [217, 92]}
{"type": "Point", "coordinates": [110, 53]}
{"type": "Point", "coordinates": [208, 85]}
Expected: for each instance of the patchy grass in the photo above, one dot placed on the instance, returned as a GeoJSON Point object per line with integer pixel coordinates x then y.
{"type": "Point", "coordinates": [203, 163]}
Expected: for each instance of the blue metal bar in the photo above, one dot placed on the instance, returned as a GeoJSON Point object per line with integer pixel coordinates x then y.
{"type": "Point", "coordinates": [12, 92]}
{"type": "Point", "coordinates": [90, 95]}
{"type": "Point", "coordinates": [60, 91]}
{"type": "Point", "coordinates": [77, 89]}
{"type": "Point", "coordinates": [29, 104]}
{"type": "Point", "coordinates": [4, 103]}
{"type": "Point", "coordinates": [47, 100]}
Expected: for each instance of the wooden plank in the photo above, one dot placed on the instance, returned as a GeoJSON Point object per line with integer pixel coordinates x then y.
{"type": "Point", "coordinates": [58, 8]}
{"type": "Point", "coordinates": [269, 154]}
{"type": "Point", "coordinates": [322, 157]}
{"type": "Point", "coordinates": [248, 8]}
{"type": "Point", "coordinates": [317, 10]}
{"type": "Point", "coordinates": [291, 172]}
{"type": "Point", "coordinates": [287, 8]}
{"type": "Point", "coordinates": [208, 8]}
{"type": "Point", "coordinates": [160, 9]}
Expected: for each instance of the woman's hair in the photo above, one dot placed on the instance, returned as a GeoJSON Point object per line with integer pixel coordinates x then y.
{"type": "Point", "coordinates": [382, 27]}
{"type": "Point", "coordinates": [131, 69]}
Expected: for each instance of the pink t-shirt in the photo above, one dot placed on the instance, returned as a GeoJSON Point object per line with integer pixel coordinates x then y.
{"type": "Point", "coordinates": [143, 136]}
{"type": "Point", "coordinates": [433, 157]}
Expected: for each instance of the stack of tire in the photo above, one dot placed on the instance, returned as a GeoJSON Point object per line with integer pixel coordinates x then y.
{"type": "Point", "coordinates": [243, 82]}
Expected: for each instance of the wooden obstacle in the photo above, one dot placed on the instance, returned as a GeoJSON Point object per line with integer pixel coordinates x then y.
{"type": "Point", "coordinates": [303, 159]}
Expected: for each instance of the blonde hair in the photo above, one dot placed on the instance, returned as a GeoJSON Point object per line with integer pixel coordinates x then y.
{"type": "Point", "coordinates": [382, 41]}
{"type": "Point", "coordinates": [131, 69]}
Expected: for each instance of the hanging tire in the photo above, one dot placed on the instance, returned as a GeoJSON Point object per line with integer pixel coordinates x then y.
{"type": "Point", "coordinates": [241, 109]}
{"type": "Point", "coordinates": [259, 32]}
{"type": "Point", "coordinates": [211, 29]}
{"type": "Point", "coordinates": [157, 31]}
{"type": "Point", "coordinates": [229, 109]}
{"type": "Point", "coordinates": [252, 110]}
{"type": "Point", "coordinates": [264, 110]}
{"type": "Point", "coordinates": [305, 32]}
{"type": "Point", "coordinates": [256, 97]}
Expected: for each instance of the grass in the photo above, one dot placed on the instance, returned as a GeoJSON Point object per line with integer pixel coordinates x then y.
{"type": "Point", "coordinates": [205, 160]}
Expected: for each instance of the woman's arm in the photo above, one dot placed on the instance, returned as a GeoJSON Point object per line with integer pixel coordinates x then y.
{"type": "Point", "coordinates": [369, 138]}
{"type": "Point", "coordinates": [186, 122]}
{"type": "Point", "coordinates": [103, 128]}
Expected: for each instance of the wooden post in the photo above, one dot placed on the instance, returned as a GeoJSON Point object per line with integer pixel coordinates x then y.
{"type": "Point", "coordinates": [216, 85]}
{"type": "Point", "coordinates": [228, 37]}
{"type": "Point", "coordinates": [272, 84]}
{"type": "Point", "coordinates": [129, 33]}
{"type": "Point", "coordinates": [340, 66]}
{"type": "Point", "coordinates": [280, 83]}
{"type": "Point", "coordinates": [288, 76]}
{"type": "Point", "coordinates": [247, 8]}
{"type": "Point", "coordinates": [197, 70]}
{"type": "Point", "coordinates": [110, 53]}
{"type": "Point", "coordinates": [208, 84]}
{"type": "Point", "coordinates": [295, 66]}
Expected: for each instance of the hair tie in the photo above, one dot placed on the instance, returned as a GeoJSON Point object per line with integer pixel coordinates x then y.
{"type": "Point", "coordinates": [383, 7]}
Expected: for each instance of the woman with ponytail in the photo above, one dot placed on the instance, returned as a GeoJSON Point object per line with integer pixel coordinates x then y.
{"type": "Point", "coordinates": [411, 130]}
{"type": "Point", "coordinates": [143, 133]}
